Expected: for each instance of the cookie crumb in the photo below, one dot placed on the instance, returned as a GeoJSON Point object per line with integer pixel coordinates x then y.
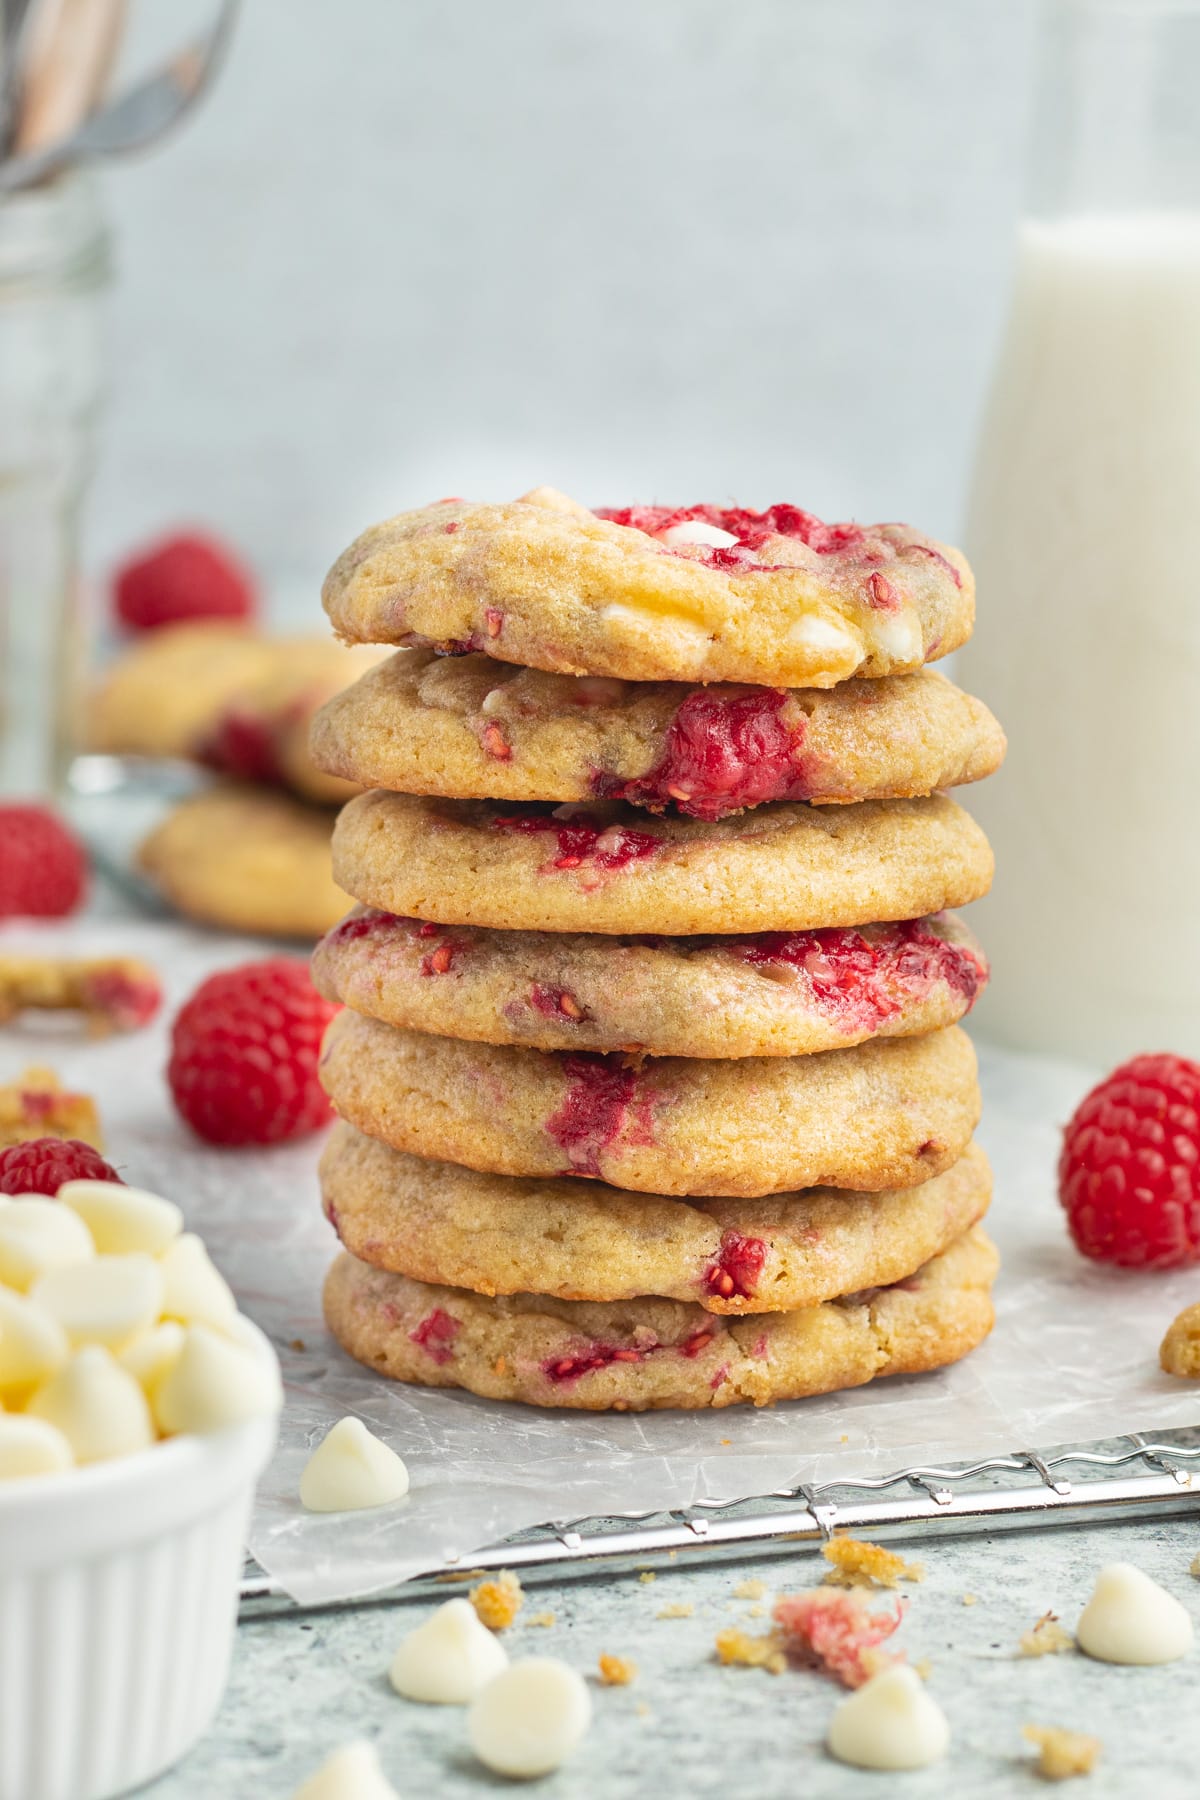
{"type": "Point", "coordinates": [970, 1599]}
{"type": "Point", "coordinates": [678, 1609]}
{"type": "Point", "coordinates": [757, 1611]}
{"type": "Point", "coordinates": [749, 1590]}
{"type": "Point", "coordinates": [1062, 1754]}
{"type": "Point", "coordinates": [498, 1602]}
{"type": "Point", "coordinates": [1179, 1353]}
{"type": "Point", "coordinates": [37, 1105]}
{"type": "Point", "coordinates": [750, 1650]}
{"type": "Point", "coordinates": [642, 1710]}
{"type": "Point", "coordinates": [298, 1345]}
{"type": "Point", "coordinates": [647, 1575]}
{"type": "Point", "coordinates": [547, 1619]}
{"type": "Point", "coordinates": [833, 1628]}
{"type": "Point", "coordinates": [855, 1564]}
{"type": "Point", "coordinates": [1194, 1567]}
{"type": "Point", "coordinates": [1047, 1638]}
{"type": "Point", "coordinates": [616, 1671]}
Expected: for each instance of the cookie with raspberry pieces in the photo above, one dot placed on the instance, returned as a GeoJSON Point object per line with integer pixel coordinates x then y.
{"type": "Point", "coordinates": [645, 593]}
{"type": "Point", "coordinates": [634, 1355]}
{"type": "Point", "coordinates": [499, 1234]}
{"type": "Point", "coordinates": [773, 993]}
{"type": "Point", "coordinates": [37, 1105]}
{"type": "Point", "coordinates": [610, 868]}
{"type": "Point", "coordinates": [470, 727]}
{"type": "Point", "coordinates": [890, 1113]}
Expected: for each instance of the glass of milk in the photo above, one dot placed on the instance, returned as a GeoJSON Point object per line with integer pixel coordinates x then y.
{"type": "Point", "coordinates": [1084, 531]}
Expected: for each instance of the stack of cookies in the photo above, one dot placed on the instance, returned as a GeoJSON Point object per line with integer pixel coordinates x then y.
{"type": "Point", "coordinates": [650, 1083]}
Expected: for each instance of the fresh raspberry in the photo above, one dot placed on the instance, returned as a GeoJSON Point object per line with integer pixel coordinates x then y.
{"type": "Point", "coordinates": [244, 1054]}
{"type": "Point", "coordinates": [1129, 1173]}
{"type": "Point", "coordinates": [41, 1165]}
{"type": "Point", "coordinates": [181, 578]}
{"type": "Point", "coordinates": [43, 868]}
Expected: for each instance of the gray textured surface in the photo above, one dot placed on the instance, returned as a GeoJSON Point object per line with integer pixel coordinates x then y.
{"type": "Point", "coordinates": [302, 1686]}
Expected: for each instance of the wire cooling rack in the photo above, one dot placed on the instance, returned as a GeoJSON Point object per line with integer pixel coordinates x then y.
{"type": "Point", "coordinates": [1133, 1477]}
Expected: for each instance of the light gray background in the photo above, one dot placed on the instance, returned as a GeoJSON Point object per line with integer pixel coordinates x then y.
{"type": "Point", "coordinates": [679, 249]}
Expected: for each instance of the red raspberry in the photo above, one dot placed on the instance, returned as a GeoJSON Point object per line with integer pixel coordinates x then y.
{"type": "Point", "coordinates": [43, 868]}
{"type": "Point", "coordinates": [1129, 1173]}
{"type": "Point", "coordinates": [244, 1054]}
{"type": "Point", "coordinates": [41, 1165]}
{"type": "Point", "coordinates": [182, 578]}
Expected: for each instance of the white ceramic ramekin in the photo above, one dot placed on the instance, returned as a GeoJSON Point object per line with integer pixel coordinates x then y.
{"type": "Point", "coordinates": [118, 1603]}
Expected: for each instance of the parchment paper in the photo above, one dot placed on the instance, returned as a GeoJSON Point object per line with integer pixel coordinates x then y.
{"type": "Point", "coordinates": [1074, 1354]}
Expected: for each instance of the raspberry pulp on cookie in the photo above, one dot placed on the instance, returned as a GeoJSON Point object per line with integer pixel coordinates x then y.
{"type": "Point", "coordinates": [861, 982]}
{"type": "Point", "coordinates": [737, 1267]}
{"type": "Point", "coordinates": [582, 840]}
{"type": "Point", "coordinates": [723, 752]}
{"type": "Point", "coordinates": [751, 529]}
{"type": "Point", "coordinates": [595, 1110]}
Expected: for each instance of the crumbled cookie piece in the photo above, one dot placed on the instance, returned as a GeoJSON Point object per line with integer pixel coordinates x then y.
{"type": "Point", "coordinates": [751, 1650]}
{"type": "Point", "coordinates": [1047, 1638]}
{"type": "Point", "coordinates": [678, 1609]}
{"type": "Point", "coordinates": [970, 1599]}
{"type": "Point", "coordinates": [647, 1575]}
{"type": "Point", "coordinates": [1194, 1567]}
{"type": "Point", "coordinates": [544, 1619]}
{"type": "Point", "coordinates": [749, 1590]}
{"type": "Point", "coordinates": [616, 1671]}
{"type": "Point", "coordinates": [1062, 1754]}
{"type": "Point", "coordinates": [498, 1602]}
{"type": "Point", "coordinates": [855, 1564]}
{"type": "Point", "coordinates": [832, 1628]}
{"type": "Point", "coordinates": [1179, 1352]}
{"type": "Point", "coordinates": [36, 1105]}
{"type": "Point", "coordinates": [113, 993]}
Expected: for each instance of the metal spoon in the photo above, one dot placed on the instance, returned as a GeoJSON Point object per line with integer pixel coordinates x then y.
{"type": "Point", "coordinates": [138, 117]}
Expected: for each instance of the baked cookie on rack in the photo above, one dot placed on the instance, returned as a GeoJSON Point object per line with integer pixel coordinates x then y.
{"type": "Point", "coordinates": [890, 1113]}
{"type": "Point", "coordinates": [633, 1355]}
{"type": "Point", "coordinates": [655, 593]}
{"type": "Point", "coordinates": [472, 728]}
{"type": "Point", "coordinates": [610, 868]}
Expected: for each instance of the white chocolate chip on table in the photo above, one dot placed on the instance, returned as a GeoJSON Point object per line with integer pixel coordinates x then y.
{"type": "Point", "coordinates": [351, 1470]}
{"type": "Point", "coordinates": [529, 1719]}
{"type": "Point", "coordinates": [36, 1236]}
{"type": "Point", "coordinates": [351, 1773]}
{"type": "Point", "coordinates": [1131, 1619]}
{"type": "Point", "coordinates": [891, 1722]}
{"type": "Point", "coordinates": [449, 1659]}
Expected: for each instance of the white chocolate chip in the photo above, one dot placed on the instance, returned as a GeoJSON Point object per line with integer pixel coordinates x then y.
{"type": "Point", "coordinates": [352, 1773]}
{"type": "Point", "coordinates": [449, 1659]}
{"type": "Point", "coordinates": [32, 1344]}
{"type": "Point", "coordinates": [214, 1383]}
{"type": "Point", "coordinates": [530, 1718]}
{"type": "Point", "coordinates": [97, 1405]}
{"type": "Point", "coordinates": [812, 632]}
{"type": "Point", "coordinates": [31, 1447]}
{"type": "Point", "coordinates": [195, 1292]}
{"type": "Point", "coordinates": [123, 1219]}
{"type": "Point", "coordinates": [110, 1300]}
{"type": "Point", "coordinates": [697, 531]}
{"type": "Point", "coordinates": [350, 1469]}
{"type": "Point", "coordinates": [1130, 1619]}
{"type": "Point", "coordinates": [889, 1723]}
{"type": "Point", "coordinates": [149, 1357]}
{"type": "Point", "coordinates": [898, 637]}
{"type": "Point", "coordinates": [37, 1235]}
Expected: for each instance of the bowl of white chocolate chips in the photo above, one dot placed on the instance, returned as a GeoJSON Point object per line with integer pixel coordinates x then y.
{"type": "Point", "coordinates": [138, 1408]}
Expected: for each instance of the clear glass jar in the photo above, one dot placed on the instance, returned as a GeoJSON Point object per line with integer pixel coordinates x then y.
{"type": "Point", "coordinates": [54, 266]}
{"type": "Point", "coordinates": [1084, 532]}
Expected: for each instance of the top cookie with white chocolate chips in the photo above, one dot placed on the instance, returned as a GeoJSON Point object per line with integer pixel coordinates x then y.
{"type": "Point", "coordinates": [694, 593]}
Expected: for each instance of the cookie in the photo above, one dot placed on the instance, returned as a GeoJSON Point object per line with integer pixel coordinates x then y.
{"type": "Point", "coordinates": [890, 1113]}
{"type": "Point", "coordinates": [612, 869]}
{"type": "Point", "coordinates": [248, 860]}
{"type": "Point", "coordinates": [644, 593]}
{"type": "Point", "coordinates": [113, 993]}
{"type": "Point", "coordinates": [239, 703]}
{"type": "Point", "coordinates": [37, 1105]}
{"type": "Point", "coordinates": [633, 1355]}
{"type": "Point", "coordinates": [470, 728]}
{"type": "Point", "coordinates": [579, 1240]}
{"type": "Point", "coordinates": [778, 993]}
